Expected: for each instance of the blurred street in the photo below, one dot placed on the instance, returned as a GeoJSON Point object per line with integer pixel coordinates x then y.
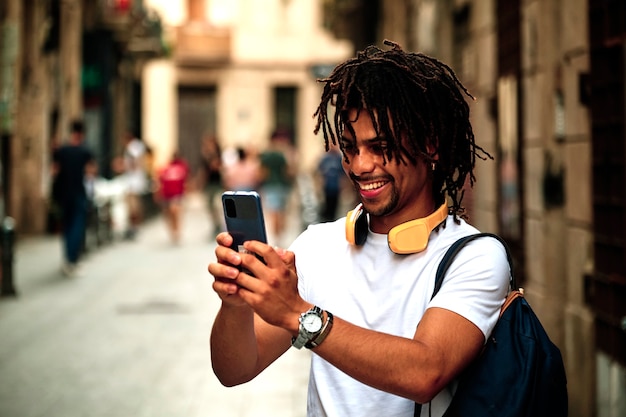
{"type": "Point", "coordinates": [129, 335]}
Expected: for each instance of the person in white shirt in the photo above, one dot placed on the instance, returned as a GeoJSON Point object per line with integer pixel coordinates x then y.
{"type": "Point", "coordinates": [136, 179]}
{"type": "Point", "coordinates": [357, 291]}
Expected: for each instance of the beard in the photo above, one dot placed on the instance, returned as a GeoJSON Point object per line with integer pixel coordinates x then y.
{"type": "Point", "coordinates": [384, 208]}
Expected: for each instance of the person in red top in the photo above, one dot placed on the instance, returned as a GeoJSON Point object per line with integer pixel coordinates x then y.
{"type": "Point", "coordinates": [172, 183]}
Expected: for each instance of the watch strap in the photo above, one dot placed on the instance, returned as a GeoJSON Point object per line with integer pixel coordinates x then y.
{"type": "Point", "coordinates": [299, 341]}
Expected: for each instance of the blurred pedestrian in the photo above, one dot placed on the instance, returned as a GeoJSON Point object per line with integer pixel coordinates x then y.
{"type": "Point", "coordinates": [241, 170]}
{"type": "Point", "coordinates": [172, 185]}
{"type": "Point", "coordinates": [72, 163]}
{"type": "Point", "coordinates": [53, 221]}
{"type": "Point", "coordinates": [136, 180]}
{"type": "Point", "coordinates": [330, 171]}
{"type": "Point", "coordinates": [276, 180]}
{"type": "Point", "coordinates": [210, 179]}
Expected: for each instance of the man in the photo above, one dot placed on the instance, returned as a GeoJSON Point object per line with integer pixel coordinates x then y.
{"type": "Point", "coordinates": [210, 179]}
{"type": "Point", "coordinates": [330, 170]}
{"type": "Point", "coordinates": [402, 124]}
{"type": "Point", "coordinates": [71, 163]}
{"type": "Point", "coordinates": [276, 180]}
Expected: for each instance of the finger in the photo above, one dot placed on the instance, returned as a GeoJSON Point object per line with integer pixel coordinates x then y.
{"type": "Point", "coordinates": [226, 255]}
{"type": "Point", "coordinates": [288, 257]}
{"type": "Point", "coordinates": [252, 271]}
{"type": "Point", "coordinates": [265, 251]}
{"type": "Point", "coordinates": [224, 239]}
{"type": "Point", "coordinates": [223, 272]}
{"type": "Point", "coordinates": [229, 293]}
{"type": "Point", "coordinates": [263, 275]}
{"type": "Point", "coordinates": [225, 288]}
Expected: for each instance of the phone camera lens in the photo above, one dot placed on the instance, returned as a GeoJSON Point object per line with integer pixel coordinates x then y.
{"type": "Point", "coordinates": [229, 206]}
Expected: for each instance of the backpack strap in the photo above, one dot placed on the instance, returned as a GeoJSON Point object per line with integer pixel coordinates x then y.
{"type": "Point", "coordinates": [445, 263]}
{"type": "Point", "coordinates": [456, 247]}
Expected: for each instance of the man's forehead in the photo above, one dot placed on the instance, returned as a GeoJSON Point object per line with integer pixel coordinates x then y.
{"type": "Point", "coordinates": [365, 128]}
{"type": "Point", "coordinates": [362, 136]}
{"type": "Point", "coordinates": [353, 114]}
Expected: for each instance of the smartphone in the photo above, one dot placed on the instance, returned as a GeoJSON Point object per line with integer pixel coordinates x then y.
{"type": "Point", "coordinates": [243, 215]}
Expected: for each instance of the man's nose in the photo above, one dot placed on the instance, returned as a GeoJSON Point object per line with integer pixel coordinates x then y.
{"type": "Point", "coordinates": [362, 162]}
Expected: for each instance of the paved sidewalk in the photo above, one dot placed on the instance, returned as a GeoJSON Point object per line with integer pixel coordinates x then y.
{"type": "Point", "coordinates": [129, 336]}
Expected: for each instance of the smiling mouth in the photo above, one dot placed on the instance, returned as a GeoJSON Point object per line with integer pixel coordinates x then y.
{"type": "Point", "coordinates": [372, 185]}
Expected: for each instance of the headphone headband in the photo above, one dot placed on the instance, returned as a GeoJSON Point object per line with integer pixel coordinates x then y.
{"type": "Point", "coordinates": [406, 238]}
{"type": "Point", "coordinates": [412, 236]}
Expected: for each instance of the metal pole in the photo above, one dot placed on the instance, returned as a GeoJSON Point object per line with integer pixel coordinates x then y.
{"type": "Point", "coordinates": [8, 247]}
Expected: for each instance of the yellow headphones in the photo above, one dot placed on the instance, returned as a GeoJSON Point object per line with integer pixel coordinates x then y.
{"type": "Point", "coordinates": [403, 239]}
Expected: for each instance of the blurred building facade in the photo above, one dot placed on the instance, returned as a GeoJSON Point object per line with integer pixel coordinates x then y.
{"type": "Point", "coordinates": [239, 70]}
{"type": "Point", "coordinates": [548, 77]}
{"type": "Point", "coordinates": [61, 60]}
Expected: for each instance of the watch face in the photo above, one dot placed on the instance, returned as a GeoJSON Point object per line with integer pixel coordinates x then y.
{"type": "Point", "coordinates": [312, 323]}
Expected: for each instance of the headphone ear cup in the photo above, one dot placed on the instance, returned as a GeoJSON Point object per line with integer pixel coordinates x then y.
{"type": "Point", "coordinates": [356, 226]}
{"type": "Point", "coordinates": [361, 228]}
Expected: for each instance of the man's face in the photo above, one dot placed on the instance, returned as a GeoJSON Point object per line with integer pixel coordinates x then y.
{"type": "Point", "coordinates": [391, 193]}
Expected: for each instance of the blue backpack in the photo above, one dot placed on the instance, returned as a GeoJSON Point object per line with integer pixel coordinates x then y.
{"type": "Point", "coordinates": [520, 372]}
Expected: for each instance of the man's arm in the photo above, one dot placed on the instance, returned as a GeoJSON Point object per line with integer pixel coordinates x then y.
{"type": "Point", "coordinates": [419, 368]}
{"type": "Point", "coordinates": [242, 344]}
{"type": "Point", "coordinates": [444, 342]}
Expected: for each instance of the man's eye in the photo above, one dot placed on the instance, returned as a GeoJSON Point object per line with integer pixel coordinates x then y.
{"type": "Point", "coordinates": [348, 148]}
{"type": "Point", "coordinates": [379, 148]}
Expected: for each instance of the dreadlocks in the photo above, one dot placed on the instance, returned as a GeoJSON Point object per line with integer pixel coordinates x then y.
{"type": "Point", "coordinates": [406, 95]}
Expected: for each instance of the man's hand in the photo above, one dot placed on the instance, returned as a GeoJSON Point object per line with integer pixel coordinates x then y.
{"type": "Point", "coordinates": [226, 270]}
{"type": "Point", "coordinates": [272, 289]}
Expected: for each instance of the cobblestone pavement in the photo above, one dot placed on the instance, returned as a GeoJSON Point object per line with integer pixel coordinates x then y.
{"type": "Point", "coordinates": [129, 335]}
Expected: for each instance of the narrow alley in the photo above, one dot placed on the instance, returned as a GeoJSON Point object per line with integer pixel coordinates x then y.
{"type": "Point", "coordinates": [129, 335]}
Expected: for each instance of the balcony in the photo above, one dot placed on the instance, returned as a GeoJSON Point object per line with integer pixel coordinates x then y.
{"type": "Point", "coordinates": [201, 45]}
{"type": "Point", "coordinates": [136, 29]}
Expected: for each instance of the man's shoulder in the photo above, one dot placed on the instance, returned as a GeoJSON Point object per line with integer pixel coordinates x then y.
{"type": "Point", "coordinates": [449, 232]}
{"type": "Point", "coordinates": [486, 250]}
{"type": "Point", "coordinates": [73, 149]}
{"type": "Point", "coordinates": [453, 229]}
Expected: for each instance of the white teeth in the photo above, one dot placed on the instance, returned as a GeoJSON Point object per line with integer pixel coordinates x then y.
{"type": "Point", "coordinates": [372, 186]}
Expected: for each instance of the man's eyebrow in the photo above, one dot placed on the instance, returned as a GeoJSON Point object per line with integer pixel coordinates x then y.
{"type": "Point", "coordinates": [375, 139]}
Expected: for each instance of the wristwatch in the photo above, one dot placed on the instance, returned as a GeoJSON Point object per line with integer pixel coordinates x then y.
{"type": "Point", "coordinates": [328, 324]}
{"type": "Point", "coordinates": [311, 323]}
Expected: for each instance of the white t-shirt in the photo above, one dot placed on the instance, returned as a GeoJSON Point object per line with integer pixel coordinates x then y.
{"type": "Point", "coordinates": [135, 175]}
{"type": "Point", "coordinates": [374, 288]}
